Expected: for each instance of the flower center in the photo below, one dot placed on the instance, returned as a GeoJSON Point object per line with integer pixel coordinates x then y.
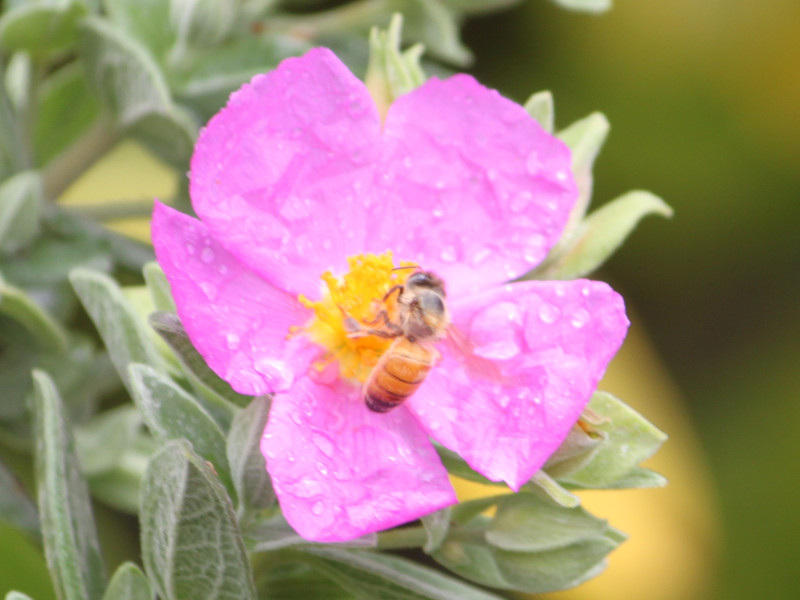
{"type": "Point", "coordinates": [355, 302]}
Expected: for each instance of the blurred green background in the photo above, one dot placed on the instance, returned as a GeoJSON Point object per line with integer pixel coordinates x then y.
{"type": "Point", "coordinates": [704, 102]}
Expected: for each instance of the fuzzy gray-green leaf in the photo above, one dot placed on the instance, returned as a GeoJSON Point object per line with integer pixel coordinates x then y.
{"type": "Point", "coordinates": [21, 205]}
{"type": "Point", "coordinates": [116, 321]}
{"type": "Point", "coordinates": [369, 574]}
{"type": "Point", "coordinates": [172, 413]}
{"type": "Point", "coordinates": [128, 583]}
{"type": "Point", "coordinates": [191, 545]}
{"type": "Point", "coordinates": [631, 439]}
{"type": "Point", "coordinates": [248, 468]}
{"type": "Point", "coordinates": [602, 232]}
{"type": "Point", "coordinates": [68, 529]}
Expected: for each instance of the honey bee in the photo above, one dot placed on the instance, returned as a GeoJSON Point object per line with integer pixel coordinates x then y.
{"type": "Point", "coordinates": [422, 320]}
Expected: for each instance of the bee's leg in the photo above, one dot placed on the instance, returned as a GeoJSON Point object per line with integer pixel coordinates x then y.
{"type": "Point", "coordinates": [355, 329]}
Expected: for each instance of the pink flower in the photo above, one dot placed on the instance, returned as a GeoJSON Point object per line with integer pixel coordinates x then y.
{"type": "Point", "coordinates": [298, 178]}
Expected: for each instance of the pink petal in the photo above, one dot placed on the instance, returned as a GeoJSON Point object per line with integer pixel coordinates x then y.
{"type": "Point", "coordinates": [236, 320]}
{"type": "Point", "coordinates": [479, 192]}
{"type": "Point", "coordinates": [277, 174]}
{"type": "Point", "coordinates": [341, 471]}
{"type": "Point", "coordinates": [541, 348]}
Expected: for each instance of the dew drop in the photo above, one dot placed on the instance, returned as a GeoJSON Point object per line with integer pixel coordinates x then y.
{"type": "Point", "coordinates": [327, 243]}
{"type": "Point", "coordinates": [233, 341]}
{"type": "Point", "coordinates": [438, 212]}
{"type": "Point", "coordinates": [480, 256]}
{"type": "Point", "coordinates": [491, 174]}
{"type": "Point", "coordinates": [407, 162]}
{"type": "Point", "coordinates": [207, 255]}
{"type": "Point", "coordinates": [548, 313]}
{"type": "Point", "coordinates": [448, 254]}
{"type": "Point", "coordinates": [434, 425]}
{"type": "Point", "coordinates": [318, 507]}
{"type": "Point", "coordinates": [209, 289]}
{"type": "Point", "coordinates": [533, 164]}
{"type": "Point", "coordinates": [223, 270]}
{"type": "Point", "coordinates": [276, 373]}
{"type": "Point", "coordinates": [561, 175]}
{"type": "Point", "coordinates": [190, 249]}
{"type": "Point", "coordinates": [499, 350]}
{"type": "Point", "coordinates": [580, 318]}
{"type": "Point", "coordinates": [323, 444]}
{"type": "Point", "coordinates": [323, 470]}
{"type": "Point", "coordinates": [504, 400]}
{"type": "Point", "coordinates": [521, 201]}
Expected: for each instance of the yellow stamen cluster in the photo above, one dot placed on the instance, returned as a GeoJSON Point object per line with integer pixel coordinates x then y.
{"type": "Point", "coordinates": [358, 298]}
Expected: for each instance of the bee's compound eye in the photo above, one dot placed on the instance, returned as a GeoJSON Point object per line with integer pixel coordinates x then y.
{"type": "Point", "coordinates": [420, 278]}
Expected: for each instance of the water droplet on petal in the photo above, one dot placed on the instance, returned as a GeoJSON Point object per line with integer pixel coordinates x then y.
{"type": "Point", "coordinates": [533, 164]}
{"type": "Point", "coordinates": [499, 350]}
{"type": "Point", "coordinates": [521, 201]}
{"type": "Point", "coordinates": [318, 507]}
{"type": "Point", "coordinates": [503, 400]}
{"type": "Point", "coordinates": [323, 444]}
{"type": "Point", "coordinates": [580, 318]}
{"type": "Point", "coordinates": [323, 470]}
{"type": "Point", "coordinates": [190, 249]}
{"type": "Point", "coordinates": [438, 212]}
{"type": "Point", "coordinates": [448, 254]}
{"type": "Point", "coordinates": [480, 256]}
{"type": "Point", "coordinates": [233, 341]}
{"type": "Point", "coordinates": [548, 313]}
{"type": "Point", "coordinates": [207, 255]}
{"type": "Point", "coordinates": [434, 425]}
{"type": "Point", "coordinates": [276, 373]}
{"type": "Point", "coordinates": [491, 174]}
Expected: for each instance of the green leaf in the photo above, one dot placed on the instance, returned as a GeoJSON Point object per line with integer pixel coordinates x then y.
{"type": "Point", "coordinates": [170, 134]}
{"type": "Point", "coordinates": [631, 439]}
{"type": "Point", "coordinates": [585, 138]}
{"type": "Point", "coordinates": [19, 306]}
{"type": "Point", "coordinates": [146, 20]}
{"type": "Point", "coordinates": [15, 372]}
{"type": "Point", "coordinates": [248, 468]}
{"type": "Point", "coordinates": [540, 107]}
{"type": "Point", "coordinates": [101, 442]}
{"type": "Point", "coordinates": [392, 72]}
{"type": "Point", "coordinates": [16, 507]}
{"type": "Point", "coordinates": [591, 6]}
{"type": "Point", "coordinates": [298, 582]}
{"type": "Point", "coordinates": [526, 523]}
{"type": "Point", "coordinates": [66, 110]}
{"type": "Point", "coordinates": [158, 286]}
{"type": "Point", "coordinates": [219, 397]}
{"type": "Point", "coordinates": [639, 477]}
{"type": "Point", "coordinates": [541, 483]}
{"type": "Point", "coordinates": [436, 524]}
{"type": "Point", "coordinates": [171, 413]}
{"type": "Point", "coordinates": [122, 72]}
{"type": "Point", "coordinates": [116, 321]}
{"type": "Point", "coordinates": [68, 530]}
{"type": "Point", "coordinates": [575, 451]}
{"type": "Point", "coordinates": [21, 206]}
{"type": "Point", "coordinates": [532, 572]}
{"type": "Point", "coordinates": [600, 234]}
{"type": "Point", "coordinates": [271, 534]}
{"type": "Point", "coordinates": [49, 259]}
{"type": "Point", "coordinates": [128, 583]}
{"type": "Point", "coordinates": [203, 22]}
{"type": "Point", "coordinates": [14, 595]}
{"type": "Point", "coordinates": [457, 466]}
{"type": "Point", "coordinates": [436, 26]}
{"type": "Point", "coordinates": [41, 28]}
{"type": "Point", "coordinates": [120, 486]}
{"type": "Point", "coordinates": [191, 545]}
{"type": "Point", "coordinates": [368, 574]}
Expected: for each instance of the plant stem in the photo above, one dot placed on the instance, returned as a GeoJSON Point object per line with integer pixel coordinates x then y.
{"type": "Point", "coordinates": [114, 209]}
{"type": "Point", "coordinates": [65, 168]}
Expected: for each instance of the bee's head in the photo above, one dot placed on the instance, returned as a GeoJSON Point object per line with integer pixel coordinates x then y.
{"type": "Point", "coordinates": [425, 280]}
